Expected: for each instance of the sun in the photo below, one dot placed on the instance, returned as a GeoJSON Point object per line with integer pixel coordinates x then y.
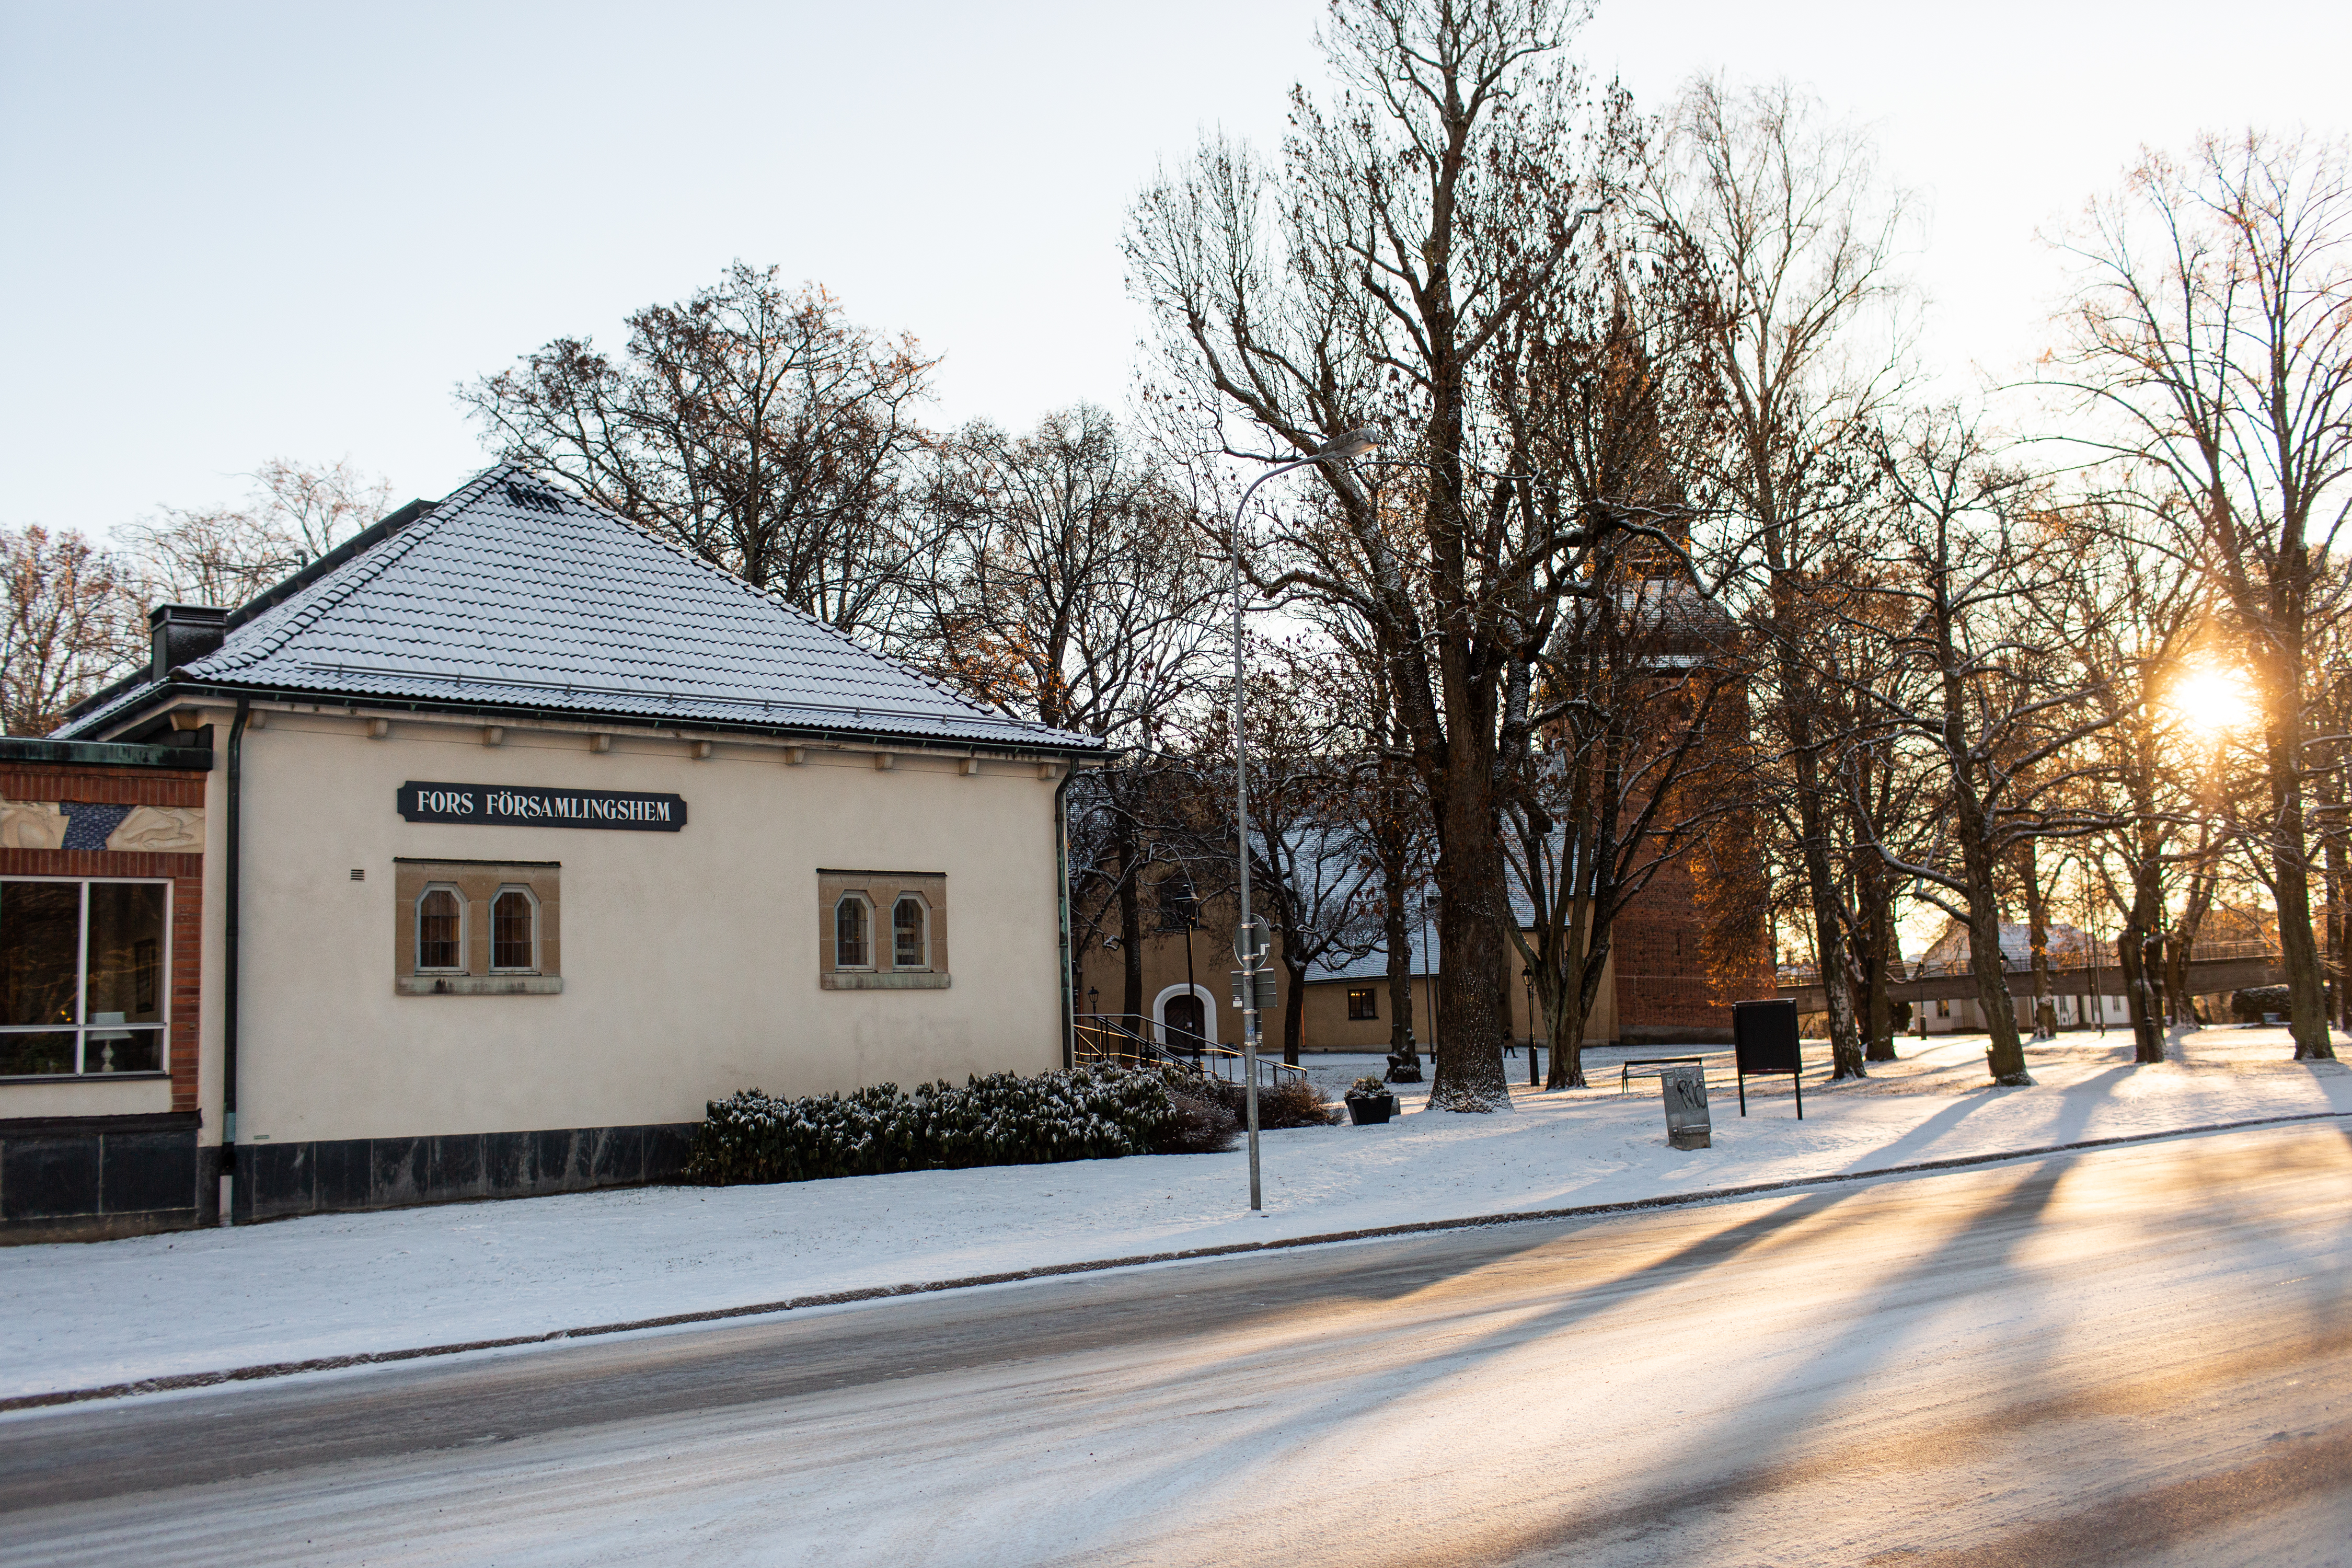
{"type": "Point", "coordinates": [2209, 701]}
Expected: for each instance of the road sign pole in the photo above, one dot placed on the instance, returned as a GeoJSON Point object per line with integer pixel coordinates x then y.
{"type": "Point", "coordinates": [1354, 443]}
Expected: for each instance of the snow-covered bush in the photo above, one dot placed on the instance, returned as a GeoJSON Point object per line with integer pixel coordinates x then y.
{"type": "Point", "coordinates": [1093, 1112]}
{"type": "Point", "coordinates": [1368, 1088]}
{"type": "Point", "coordinates": [2248, 1006]}
{"type": "Point", "coordinates": [1205, 1124]}
{"type": "Point", "coordinates": [1292, 1102]}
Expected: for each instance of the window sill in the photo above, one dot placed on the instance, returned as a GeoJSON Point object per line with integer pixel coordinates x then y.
{"type": "Point", "coordinates": [839, 981]}
{"type": "Point", "coordinates": [479, 986]}
{"type": "Point", "coordinates": [84, 1077]}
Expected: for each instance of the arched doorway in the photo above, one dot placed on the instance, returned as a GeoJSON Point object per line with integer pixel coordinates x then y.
{"type": "Point", "coordinates": [1184, 1018]}
{"type": "Point", "coordinates": [1184, 1024]}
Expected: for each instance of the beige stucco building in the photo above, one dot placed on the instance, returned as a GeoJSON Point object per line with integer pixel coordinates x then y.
{"type": "Point", "coordinates": [516, 836]}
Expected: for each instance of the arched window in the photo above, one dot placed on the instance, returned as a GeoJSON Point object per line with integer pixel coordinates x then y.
{"type": "Point", "coordinates": [852, 932]}
{"type": "Point", "coordinates": [910, 934]}
{"type": "Point", "coordinates": [440, 929]}
{"type": "Point", "coordinates": [514, 931]}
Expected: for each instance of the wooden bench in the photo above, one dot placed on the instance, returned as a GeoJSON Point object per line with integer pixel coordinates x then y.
{"type": "Point", "coordinates": [1625, 1068]}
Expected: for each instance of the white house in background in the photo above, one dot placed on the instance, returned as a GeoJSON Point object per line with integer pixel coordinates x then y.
{"type": "Point", "coordinates": [2068, 948]}
{"type": "Point", "coordinates": [508, 835]}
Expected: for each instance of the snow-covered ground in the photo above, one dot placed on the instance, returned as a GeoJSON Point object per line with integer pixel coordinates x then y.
{"type": "Point", "coordinates": [79, 1316]}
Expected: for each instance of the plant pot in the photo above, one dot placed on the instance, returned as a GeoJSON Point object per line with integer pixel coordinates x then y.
{"type": "Point", "coordinates": [1364, 1111]}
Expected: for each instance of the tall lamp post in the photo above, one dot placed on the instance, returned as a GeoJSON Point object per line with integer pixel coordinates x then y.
{"type": "Point", "coordinates": [1249, 937]}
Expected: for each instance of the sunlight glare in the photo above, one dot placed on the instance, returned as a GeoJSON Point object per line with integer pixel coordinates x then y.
{"type": "Point", "coordinates": [2210, 700]}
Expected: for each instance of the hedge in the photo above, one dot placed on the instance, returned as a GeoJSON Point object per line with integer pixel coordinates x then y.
{"type": "Point", "coordinates": [1093, 1112]}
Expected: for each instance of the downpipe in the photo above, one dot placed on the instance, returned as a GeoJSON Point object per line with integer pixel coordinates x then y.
{"type": "Point", "coordinates": [229, 961]}
{"type": "Point", "coordinates": [1062, 910]}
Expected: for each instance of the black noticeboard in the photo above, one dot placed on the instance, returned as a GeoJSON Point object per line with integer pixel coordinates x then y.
{"type": "Point", "coordinates": [1764, 1037]}
{"type": "Point", "coordinates": [533, 805]}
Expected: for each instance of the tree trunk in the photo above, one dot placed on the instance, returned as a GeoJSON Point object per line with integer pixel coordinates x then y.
{"type": "Point", "coordinates": [2037, 928]}
{"type": "Point", "coordinates": [1130, 916]}
{"type": "Point", "coordinates": [1820, 880]}
{"type": "Point", "coordinates": [1293, 1007]}
{"type": "Point", "coordinates": [1567, 998]}
{"type": "Point", "coordinates": [2131, 953]}
{"type": "Point", "coordinates": [2329, 786]}
{"type": "Point", "coordinates": [1470, 936]}
{"type": "Point", "coordinates": [2339, 927]}
{"type": "Point", "coordinates": [1404, 1064]}
{"type": "Point", "coordinates": [2291, 882]}
{"type": "Point", "coordinates": [1878, 1013]}
{"type": "Point", "coordinates": [2005, 1056]}
{"type": "Point", "coordinates": [2182, 947]}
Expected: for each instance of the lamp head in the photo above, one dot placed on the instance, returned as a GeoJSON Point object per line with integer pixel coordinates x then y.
{"type": "Point", "coordinates": [1354, 443]}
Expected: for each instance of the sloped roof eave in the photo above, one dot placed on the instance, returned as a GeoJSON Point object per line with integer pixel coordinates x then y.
{"type": "Point", "coordinates": [1016, 735]}
{"type": "Point", "coordinates": [509, 596]}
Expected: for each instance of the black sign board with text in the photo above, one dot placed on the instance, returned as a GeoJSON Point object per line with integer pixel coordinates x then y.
{"type": "Point", "coordinates": [1764, 1036]}
{"type": "Point", "coordinates": [541, 805]}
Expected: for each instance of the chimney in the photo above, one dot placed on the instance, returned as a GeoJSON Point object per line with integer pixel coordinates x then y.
{"type": "Point", "coordinates": [183, 634]}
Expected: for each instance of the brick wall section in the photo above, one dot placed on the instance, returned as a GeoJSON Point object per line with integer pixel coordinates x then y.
{"type": "Point", "coordinates": [1662, 978]}
{"type": "Point", "coordinates": [187, 875]}
{"type": "Point", "coordinates": [101, 785]}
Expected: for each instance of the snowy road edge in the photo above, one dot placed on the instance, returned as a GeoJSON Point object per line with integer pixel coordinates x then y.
{"type": "Point", "coordinates": [188, 1380]}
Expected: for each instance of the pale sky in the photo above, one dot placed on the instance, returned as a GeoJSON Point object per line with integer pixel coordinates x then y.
{"type": "Point", "coordinates": [236, 232]}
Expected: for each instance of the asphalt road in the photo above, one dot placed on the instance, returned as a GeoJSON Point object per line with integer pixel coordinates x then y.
{"type": "Point", "coordinates": [2130, 1356]}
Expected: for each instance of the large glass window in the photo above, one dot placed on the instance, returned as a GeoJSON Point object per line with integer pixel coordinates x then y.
{"type": "Point", "coordinates": [852, 943]}
{"type": "Point", "coordinates": [909, 935]}
{"type": "Point", "coordinates": [440, 929]}
{"type": "Point", "coordinates": [514, 937]}
{"type": "Point", "coordinates": [82, 988]}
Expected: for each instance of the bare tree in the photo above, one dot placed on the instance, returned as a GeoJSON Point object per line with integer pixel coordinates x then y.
{"type": "Point", "coordinates": [296, 514]}
{"type": "Point", "coordinates": [1072, 591]}
{"type": "Point", "coordinates": [1975, 690]}
{"type": "Point", "coordinates": [2132, 616]}
{"type": "Point", "coordinates": [1067, 588]}
{"type": "Point", "coordinates": [756, 427]}
{"type": "Point", "coordinates": [1421, 213]}
{"type": "Point", "coordinates": [1642, 733]}
{"type": "Point", "coordinates": [72, 625]}
{"type": "Point", "coordinates": [1314, 868]}
{"type": "Point", "coordinates": [1784, 243]}
{"type": "Point", "coordinates": [2212, 334]}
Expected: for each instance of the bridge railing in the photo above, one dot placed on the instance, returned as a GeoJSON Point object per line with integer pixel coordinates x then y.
{"type": "Point", "coordinates": [1793, 977]}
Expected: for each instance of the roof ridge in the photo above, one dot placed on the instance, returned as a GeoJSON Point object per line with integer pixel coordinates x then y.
{"type": "Point", "coordinates": [355, 575]}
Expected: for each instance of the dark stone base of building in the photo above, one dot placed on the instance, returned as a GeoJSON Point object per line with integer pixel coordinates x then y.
{"type": "Point", "coordinates": [96, 1178]}
{"type": "Point", "coordinates": [88, 1178]}
{"type": "Point", "coordinates": [277, 1180]}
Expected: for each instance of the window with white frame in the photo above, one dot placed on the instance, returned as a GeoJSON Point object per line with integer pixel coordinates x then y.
{"type": "Point", "coordinates": [514, 932]}
{"type": "Point", "coordinates": [910, 934]}
{"type": "Point", "coordinates": [440, 931]}
{"type": "Point", "coordinates": [83, 991]}
{"type": "Point", "coordinates": [853, 933]}
{"type": "Point", "coordinates": [882, 931]}
{"type": "Point", "coordinates": [477, 928]}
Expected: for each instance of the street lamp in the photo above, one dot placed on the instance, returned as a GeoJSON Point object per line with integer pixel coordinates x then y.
{"type": "Point", "coordinates": [1249, 942]}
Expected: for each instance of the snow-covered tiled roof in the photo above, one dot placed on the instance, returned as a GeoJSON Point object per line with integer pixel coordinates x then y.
{"type": "Point", "coordinates": [514, 595]}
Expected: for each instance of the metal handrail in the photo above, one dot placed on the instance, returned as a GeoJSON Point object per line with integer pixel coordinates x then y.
{"type": "Point", "coordinates": [1114, 1040]}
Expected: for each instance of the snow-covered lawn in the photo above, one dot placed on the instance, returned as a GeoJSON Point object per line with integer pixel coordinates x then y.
{"type": "Point", "coordinates": [78, 1315]}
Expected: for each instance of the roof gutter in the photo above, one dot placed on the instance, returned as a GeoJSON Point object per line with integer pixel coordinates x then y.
{"type": "Point", "coordinates": [590, 719]}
